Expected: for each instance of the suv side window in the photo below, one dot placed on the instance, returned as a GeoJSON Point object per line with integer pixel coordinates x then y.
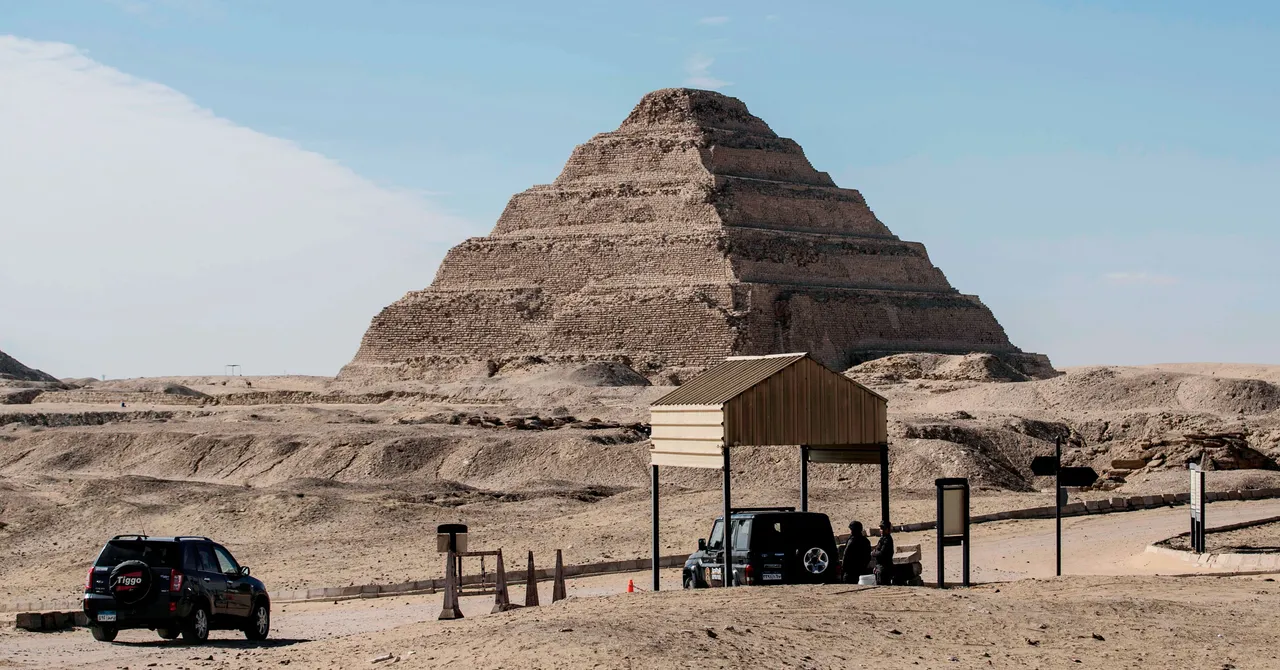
{"type": "Point", "coordinates": [226, 564]}
{"type": "Point", "coordinates": [205, 562]}
{"type": "Point", "coordinates": [741, 533]}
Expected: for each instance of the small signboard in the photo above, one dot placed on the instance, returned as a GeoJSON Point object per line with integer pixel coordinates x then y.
{"type": "Point", "coordinates": [953, 523]}
{"type": "Point", "coordinates": [1076, 476]}
{"type": "Point", "coordinates": [1197, 509]}
{"type": "Point", "coordinates": [1044, 466]}
{"type": "Point", "coordinates": [953, 509]}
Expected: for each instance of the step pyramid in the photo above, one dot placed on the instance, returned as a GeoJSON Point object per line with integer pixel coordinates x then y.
{"type": "Point", "coordinates": [691, 233]}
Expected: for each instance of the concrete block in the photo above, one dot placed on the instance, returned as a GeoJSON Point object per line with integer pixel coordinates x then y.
{"type": "Point", "coordinates": [1128, 463]}
{"type": "Point", "coordinates": [1097, 505]}
{"type": "Point", "coordinates": [1119, 503]}
{"type": "Point", "coordinates": [29, 621]}
{"type": "Point", "coordinates": [1074, 509]}
{"type": "Point", "coordinates": [1182, 497]}
{"type": "Point", "coordinates": [1234, 495]}
{"type": "Point", "coordinates": [1169, 498]}
{"type": "Point", "coordinates": [81, 619]}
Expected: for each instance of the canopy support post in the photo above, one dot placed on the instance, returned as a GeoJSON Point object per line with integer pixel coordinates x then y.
{"type": "Point", "coordinates": [884, 484]}
{"type": "Point", "coordinates": [726, 577]}
{"type": "Point", "coordinates": [657, 563]}
{"type": "Point", "coordinates": [804, 478]}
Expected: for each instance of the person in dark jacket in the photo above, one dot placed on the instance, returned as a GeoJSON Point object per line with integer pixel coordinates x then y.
{"type": "Point", "coordinates": [857, 554]}
{"type": "Point", "coordinates": [883, 554]}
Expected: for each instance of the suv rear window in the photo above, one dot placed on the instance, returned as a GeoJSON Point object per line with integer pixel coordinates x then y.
{"type": "Point", "coordinates": [155, 554]}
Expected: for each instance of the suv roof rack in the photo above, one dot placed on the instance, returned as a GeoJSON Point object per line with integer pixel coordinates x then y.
{"type": "Point", "coordinates": [736, 510]}
{"type": "Point", "coordinates": [192, 537]}
{"type": "Point", "coordinates": [130, 536]}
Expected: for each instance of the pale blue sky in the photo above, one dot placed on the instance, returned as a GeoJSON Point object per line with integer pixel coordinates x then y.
{"type": "Point", "coordinates": [1101, 173]}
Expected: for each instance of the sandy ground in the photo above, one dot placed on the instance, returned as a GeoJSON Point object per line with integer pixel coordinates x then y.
{"type": "Point", "coordinates": [1125, 592]}
{"type": "Point", "coordinates": [1108, 622]}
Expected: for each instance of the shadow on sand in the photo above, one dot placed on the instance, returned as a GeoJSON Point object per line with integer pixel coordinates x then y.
{"type": "Point", "coordinates": [212, 644]}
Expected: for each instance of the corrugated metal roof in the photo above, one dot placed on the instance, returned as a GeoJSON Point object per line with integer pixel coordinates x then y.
{"type": "Point", "coordinates": [725, 381]}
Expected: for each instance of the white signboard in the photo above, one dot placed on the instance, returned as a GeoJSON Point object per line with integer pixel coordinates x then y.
{"type": "Point", "coordinates": [1197, 492]}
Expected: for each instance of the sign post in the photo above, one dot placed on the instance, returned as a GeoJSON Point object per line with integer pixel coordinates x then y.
{"type": "Point", "coordinates": [953, 524]}
{"type": "Point", "coordinates": [451, 540]}
{"type": "Point", "coordinates": [1197, 509]}
{"type": "Point", "coordinates": [1045, 466]}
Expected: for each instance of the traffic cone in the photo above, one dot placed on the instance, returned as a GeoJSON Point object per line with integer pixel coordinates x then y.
{"type": "Point", "coordinates": [631, 586]}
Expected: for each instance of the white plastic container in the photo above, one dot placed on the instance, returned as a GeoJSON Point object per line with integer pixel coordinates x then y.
{"type": "Point", "coordinates": [866, 580]}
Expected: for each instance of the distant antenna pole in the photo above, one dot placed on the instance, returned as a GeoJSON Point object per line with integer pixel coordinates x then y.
{"type": "Point", "coordinates": [230, 369]}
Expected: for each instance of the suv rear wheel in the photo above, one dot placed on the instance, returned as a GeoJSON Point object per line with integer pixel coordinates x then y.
{"type": "Point", "coordinates": [259, 623]}
{"type": "Point", "coordinates": [104, 633]}
{"type": "Point", "coordinates": [195, 629]}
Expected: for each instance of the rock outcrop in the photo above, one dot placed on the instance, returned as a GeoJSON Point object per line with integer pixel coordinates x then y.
{"type": "Point", "coordinates": [12, 370]}
{"type": "Point", "coordinates": [691, 233]}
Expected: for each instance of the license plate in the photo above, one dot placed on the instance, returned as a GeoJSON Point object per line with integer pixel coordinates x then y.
{"type": "Point", "coordinates": [715, 573]}
{"type": "Point", "coordinates": [771, 576]}
{"type": "Point", "coordinates": [106, 616]}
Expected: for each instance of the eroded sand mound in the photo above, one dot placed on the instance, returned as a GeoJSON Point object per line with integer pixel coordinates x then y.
{"type": "Point", "coordinates": [143, 386]}
{"type": "Point", "coordinates": [976, 367]}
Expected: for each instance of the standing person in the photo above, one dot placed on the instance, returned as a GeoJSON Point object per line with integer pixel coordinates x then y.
{"type": "Point", "coordinates": [857, 554]}
{"type": "Point", "coordinates": [883, 554]}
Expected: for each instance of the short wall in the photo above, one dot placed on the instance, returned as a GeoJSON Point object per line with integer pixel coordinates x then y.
{"type": "Point", "coordinates": [1223, 561]}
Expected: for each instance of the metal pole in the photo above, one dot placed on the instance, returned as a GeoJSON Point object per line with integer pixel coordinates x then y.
{"type": "Point", "coordinates": [804, 478]}
{"type": "Point", "coordinates": [726, 577]}
{"type": "Point", "coordinates": [1057, 502]}
{"type": "Point", "coordinates": [942, 578]}
{"type": "Point", "coordinates": [884, 483]}
{"type": "Point", "coordinates": [656, 562]}
{"type": "Point", "coordinates": [965, 554]}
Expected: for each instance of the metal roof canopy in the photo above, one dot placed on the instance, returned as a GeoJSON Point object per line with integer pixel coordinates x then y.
{"type": "Point", "coordinates": [779, 400]}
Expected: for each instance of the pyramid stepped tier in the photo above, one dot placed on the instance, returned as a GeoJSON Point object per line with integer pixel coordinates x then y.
{"type": "Point", "coordinates": [691, 233]}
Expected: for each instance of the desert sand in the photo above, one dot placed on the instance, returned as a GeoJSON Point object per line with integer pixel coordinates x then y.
{"type": "Point", "coordinates": [321, 483]}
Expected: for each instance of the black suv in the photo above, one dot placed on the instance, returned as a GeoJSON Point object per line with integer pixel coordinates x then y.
{"type": "Point", "coordinates": [771, 545]}
{"type": "Point", "coordinates": [173, 585]}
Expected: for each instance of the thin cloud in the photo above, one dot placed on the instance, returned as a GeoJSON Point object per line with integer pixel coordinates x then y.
{"type": "Point", "coordinates": [713, 20]}
{"type": "Point", "coordinates": [1140, 278]}
{"type": "Point", "coordinates": [698, 73]}
{"type": "Point", "coordinates": [145, 235]}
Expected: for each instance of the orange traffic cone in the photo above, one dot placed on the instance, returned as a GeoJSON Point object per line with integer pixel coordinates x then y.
{"type": "Point", "coordinates": [631, 586]}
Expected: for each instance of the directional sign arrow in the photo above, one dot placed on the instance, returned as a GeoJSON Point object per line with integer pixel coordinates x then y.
{"type": "Point", "coordinates": [1077, 476]}
{"type": "Point", "coordinates": [1044, 466]}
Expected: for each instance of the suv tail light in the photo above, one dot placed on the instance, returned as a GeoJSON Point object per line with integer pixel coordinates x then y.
{"type": "Point", "coordinates": [175, 581]}
{"type": "Point", "coordinates": [747, 575]}
{"type": "Point", "coordinates": [88, 580]}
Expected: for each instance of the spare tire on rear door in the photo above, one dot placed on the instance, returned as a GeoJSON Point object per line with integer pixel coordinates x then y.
{"type": "Point", "coordinates": [816, 561]}
{"type": "Point", "coordinates": [130, 582]}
